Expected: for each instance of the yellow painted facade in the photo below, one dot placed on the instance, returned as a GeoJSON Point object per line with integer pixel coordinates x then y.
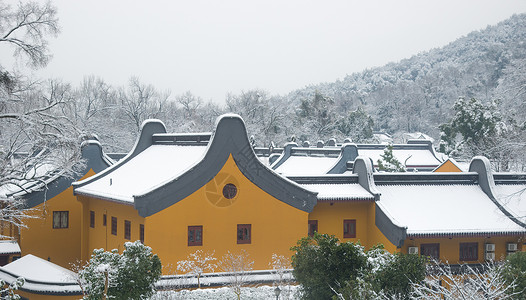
{"type": "Point", "coordinates": [450, 247]}
{"type": "Point", "coordinates": [275, 226]}
{"type": "Point", "coordinates": [447, 166]}
{"type": "Point", "coordinates": [100, 235]}
{"type": "Point", "coordinates": [61, 246]}
{"type": "Point", "coordinates": [330, 217]}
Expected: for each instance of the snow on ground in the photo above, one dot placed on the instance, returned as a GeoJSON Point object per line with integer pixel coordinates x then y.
{"type": "Point", "coordinates": [264, 292]}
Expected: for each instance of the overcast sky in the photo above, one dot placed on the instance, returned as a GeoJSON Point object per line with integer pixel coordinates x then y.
{"type": "Point", "coordinates": [215, 47]}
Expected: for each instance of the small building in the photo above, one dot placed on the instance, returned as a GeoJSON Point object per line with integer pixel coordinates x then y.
{"type": "Point", "coordinates": [53, 228]}
{"type": "Point", "coordinates": [44, 280]}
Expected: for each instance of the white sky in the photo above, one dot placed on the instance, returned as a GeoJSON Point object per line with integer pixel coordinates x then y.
{"type": "Point", "coordinates": [215, 47]}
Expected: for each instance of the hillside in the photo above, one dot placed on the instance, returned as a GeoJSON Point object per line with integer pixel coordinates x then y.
{"type": "Point", "coordinates": [417, 94]}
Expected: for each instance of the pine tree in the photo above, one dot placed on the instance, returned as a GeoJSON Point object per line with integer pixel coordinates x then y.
{"type": "Point", "coordinates": [389, 163]}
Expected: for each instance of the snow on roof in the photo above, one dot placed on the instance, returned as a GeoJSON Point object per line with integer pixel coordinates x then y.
{"type": "Point", "coordinates": [46, 172]}
{"type": "Point", "coordinates": [444, 209]}
{"type": "Point", "coordinates": [34, 268]}
{"type": "Point", "coordinates": [414, 157]}
{"type": "Point", "coordinates": [9, 247]}
{"type": "Point", "coordinates": [41, 276]}
{"type": "Point", "coordinates": [306, 165]}
{"type": "Point", "coordinates": [340, 192]}
{"type": "Point", "coordinates": [513, 198]}
{"type": "Point", "coordinates": [153, 167]}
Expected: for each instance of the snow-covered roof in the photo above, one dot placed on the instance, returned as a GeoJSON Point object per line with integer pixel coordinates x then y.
{"type": "Point", "coordinates": [410, 157]}
{"type": "Point", "coordinates": [513, 198]}
{"type": "Point", "coordinates": [9, 247]}
{"type": "Point", "coordinates": [307, 165]}
{"type": "Point", "coordinates": [164, 168]}
{"type": "Point", "coordinates": [41, 276]}
{"type": "Point", "coordinates": [153, 167]}
{"type": "Point", "coordinates": [340, 192]}
{"type": "Point", "coordinates": [430, 210]}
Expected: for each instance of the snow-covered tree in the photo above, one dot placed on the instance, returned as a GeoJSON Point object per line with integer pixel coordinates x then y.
{"type": "Point", "coordinates": [26, 28]}
{"type": "Point", "coordinates": [8, 290]}
{"type": "Point", "coordinates": [237, 265]}
{"type": "Point", "coordinates": [388, 162]}
{"type": "Point", "coordinates": [130, 275]}
{"type": "Point", "coordinates": [198, 263]}
{"type": "Point", "coordinates": [442, 282]}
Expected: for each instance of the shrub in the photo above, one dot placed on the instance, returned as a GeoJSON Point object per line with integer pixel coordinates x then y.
{"type": "Point", "coordinates": [128, 276]}
{"type": "Point", "coordinates": [321, 263]}
{"type": "Point", "coordinates": [515, 272]}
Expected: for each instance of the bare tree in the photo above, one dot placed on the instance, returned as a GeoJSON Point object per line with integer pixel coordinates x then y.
{"type": "Point", "coordinates": [27, 27]}
{"type": "Point", "coordinates": [443, 282]}
{"type": "Point", "coordinates": [141, 101]}
{"type": "Point", "coordinates": [37, 142]}
{"type": "Point", "coordinates": [197, 263]}
{"type": "Point", "coordinates": [237, 267]}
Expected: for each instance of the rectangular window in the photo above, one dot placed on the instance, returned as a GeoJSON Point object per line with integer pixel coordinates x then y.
{"type": "Point", "coordinates": [349, 228]}
{"type": "Point", "coordinates": [244, 233]}
{"type": "Point", "coordinates": [60, 219]}
{"type": "Point", "coordinates": [114, 225]}
{"type": "Point", "coordinates": [141, 233]}
{"type": "Point", "coordinates": [313, 227]}
{"type": "Point", "coordinates": [127, 229]}
{"type": "Point", "coordinates": [195, 235]}
{"type": "Point", "coordinates": [92, 219]}
{"type": "Point", "coordinates": [104, 221]}
{"type": "Point", "coordinates": [430, 250]}
{"type": "Point", "coordinates": [469, 251]}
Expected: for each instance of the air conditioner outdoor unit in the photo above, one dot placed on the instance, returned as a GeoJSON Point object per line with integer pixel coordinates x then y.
{"type": "Point", "coordinates": [490, 247]}
{"type": "Point", "coordinates": [413, 250]}
{"type": "Point", "coordinates": [489, 256]}
{"type": "Point", "coordinates": [512, 247]}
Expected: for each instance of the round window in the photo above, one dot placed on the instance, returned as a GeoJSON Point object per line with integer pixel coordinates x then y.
{"type": "Point", "coordinates": [229, 191]}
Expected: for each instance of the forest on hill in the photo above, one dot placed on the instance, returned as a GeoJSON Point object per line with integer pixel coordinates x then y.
{"type": "Point", "coordinates": [417, 94]}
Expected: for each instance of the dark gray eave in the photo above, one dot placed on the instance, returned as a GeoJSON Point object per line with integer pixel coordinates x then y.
{"type": "Point", "coordinates": [148, 129]}
{"type": "Point", "coordinates": [345, 153]}
{"type": "Point", "coordinates": [394, 233]}
{"type": "Point", "coordinates": [229, 137]}
{"type": "Point", "coordinates": [94, 159]}
{"type": "Point", "coordinates": [466, 234]}
{"type": "Point", "coordinates": [481, 165]}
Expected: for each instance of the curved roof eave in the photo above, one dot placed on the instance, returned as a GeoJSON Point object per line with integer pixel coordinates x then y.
{"type": "Point", "coordinates": [229, 138]}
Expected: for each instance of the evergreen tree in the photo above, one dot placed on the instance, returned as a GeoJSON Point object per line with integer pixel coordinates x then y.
{"type": "Point", "coordinates": [128, 276]}
{"type": "Point", "coordinates": [388, 162]}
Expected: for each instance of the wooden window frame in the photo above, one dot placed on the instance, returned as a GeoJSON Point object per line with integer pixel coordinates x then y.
{"type": "Point", "coordinates": [61, 215]}
{"type": "Point", "coordinates": [104, 220]}
{"type": "Point", "coordinates": [127, 229]}
{"type": "Point", "coordinates": [195, 235]}
{"type": "Point", "coordinates": [114, 225]}
{"type": "Point", "coordinates": [141, 233]}
{"type": "Point", "coordinates": [91, 219]}
{"type": "Point", "coordinates": [244, 233]}
{"type": "Point", "coordinates": [313, 224]}
{"type": "Point", "coordinates": [347, 226]}
{"type": "Point", "coordinates": [433, 246]}
{"type": "Point", "coordinates": [463, 249]}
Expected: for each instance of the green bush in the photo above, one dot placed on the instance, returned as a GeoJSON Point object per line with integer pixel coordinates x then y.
{"type": "Point", "coordinates": [515, 272]}
{"type": "Point", "coordinates": [321, 263]}
{"type": "Point", "coordinates": [395, 277]}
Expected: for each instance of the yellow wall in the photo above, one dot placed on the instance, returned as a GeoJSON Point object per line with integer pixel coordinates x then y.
{"type": "Point", "coordinates": [276, 226]}
{"type": "Point", "coordinates": [60, 246]}
{"type": "Point", "coordinates": [330, 218]}
{"type": "Point", "coordinates": [450, 248]}
{"type": "Point", "coordinates": [100, 236]}
{"type": "Point", "coordinates": [448, 166]}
